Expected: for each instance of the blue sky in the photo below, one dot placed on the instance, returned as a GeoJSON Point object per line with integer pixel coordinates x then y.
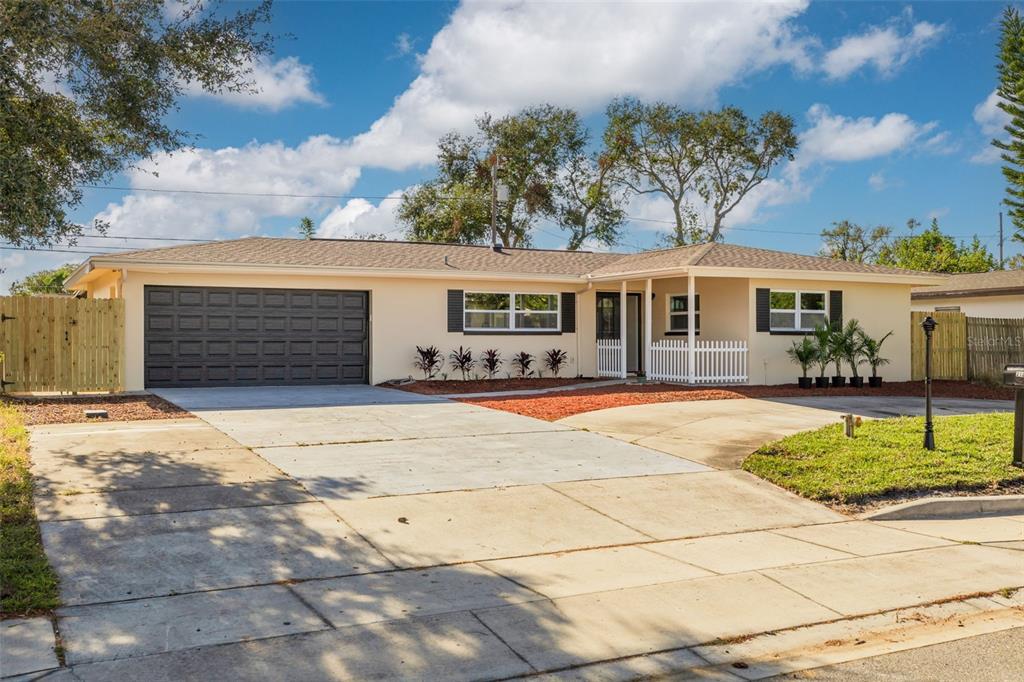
{"type": "Point", "coordinates": [893, 102]}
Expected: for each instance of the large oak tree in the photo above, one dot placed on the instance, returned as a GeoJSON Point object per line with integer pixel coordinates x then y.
{"type": "Point", "coordinates": [85, 86]}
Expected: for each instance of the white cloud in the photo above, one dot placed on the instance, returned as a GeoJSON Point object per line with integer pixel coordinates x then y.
{"type": "Point", "coordinates": [991, 120]}
{"type": "Point", "coordinates": [501, 56]}
{"type": "Point", "coordinates": [279, 85]}
{"type": "Point", "coordinates": [359, 217]}
{"type": "Point", "coordinates": [878, 181]}
{"type": "Point", "coordinates": [833, 137]}
{"type": "Point", "coordinates": [404, 44]}
{"type": "Point", "coordinates": [887, 49]}
{"type": "Point", "coordinates": [314, 167]}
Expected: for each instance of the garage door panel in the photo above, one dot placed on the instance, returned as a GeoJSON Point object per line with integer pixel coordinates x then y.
{"type": "Point", "coordinates": [207, 336]}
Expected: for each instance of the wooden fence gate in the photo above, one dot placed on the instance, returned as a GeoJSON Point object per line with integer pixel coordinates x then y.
{"type": "Point", "coordinates": [61, 344]}
{"type": "Point", "coordinates": [975, 348]}
{"type": "Point", "coordinates": [949, 346]}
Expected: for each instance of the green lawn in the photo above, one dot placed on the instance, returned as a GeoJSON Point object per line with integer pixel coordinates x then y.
{"type": "Point", "coordinates": [27, 583]}
{"type": "Point", "coordinates": [886, 459]}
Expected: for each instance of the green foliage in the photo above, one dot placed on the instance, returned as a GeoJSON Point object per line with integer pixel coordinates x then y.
{"type": "Point", "coordinates": [44, 281]}
{"type": "Point", "coordinates": [803, 353]}
{"type": "Point", "coordinates": [846, 345]}
{"type": "Point", "coordinates": [542, 160]}
{"type": "Point", "coordinates": [850, 242]}
{"type": "Point", "coordinates": [1011, 93]}
{"type": "Point", "coordinates": [27, 583]}
{"type": "Point", "coordinates": [119, 68]}
{"type": "Point", "coordinates": [306, 227]}
{"type": "Point", "coordinates": [934, 251]}
{"type": "Point", "coordinates": [718, 155]}
{"type": "Point", "coordinates": [886, 458]}
{"type": "Point", "coordinates": [871, 351]}
{"type": "Point", "coordinates": [822, 337]}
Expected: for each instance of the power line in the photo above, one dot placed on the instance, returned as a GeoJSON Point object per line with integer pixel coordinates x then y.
{"type": "Point", "coordinates": [242, 194]}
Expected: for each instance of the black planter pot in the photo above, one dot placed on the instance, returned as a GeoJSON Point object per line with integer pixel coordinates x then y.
{"type": "Point", "coordinates": [821, 382]}
{"type": "Point", "coordinates": [856, 382]}
{"type": "Point", "coordinates": [838, 382]}
{"type": "Point", "coordinates": [805, 382]}
{"type": "Point", "coordinates": [874, 382]}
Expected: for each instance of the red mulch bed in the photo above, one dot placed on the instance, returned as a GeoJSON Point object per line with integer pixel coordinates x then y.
{"type": "Point", "coordinates": [71, 409]}
{"type": "Point", "coordinates": [437, 387]}
{"type": "Point", "coordinates": [554, 406]}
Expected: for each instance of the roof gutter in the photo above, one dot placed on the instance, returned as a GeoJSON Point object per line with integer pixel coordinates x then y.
{"type": "Point", "coordinates": [910, 278]}
{"type": "Point", "coordinates": [1001, 291]}
{"type": "Point", "coordinates": [322, 270]}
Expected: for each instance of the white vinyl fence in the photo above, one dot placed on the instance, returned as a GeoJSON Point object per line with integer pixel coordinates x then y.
{"type": "Point", "coordinates": [715, 362]}
{"type": "Point", "coordinates": [609, 358]}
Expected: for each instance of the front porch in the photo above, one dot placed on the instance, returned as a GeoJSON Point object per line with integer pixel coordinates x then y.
{"type": "Point", "coordinates": [656, 331]}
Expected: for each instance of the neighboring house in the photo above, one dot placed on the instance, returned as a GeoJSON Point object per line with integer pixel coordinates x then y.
{"type": "Point", "coordinates": [294, 311]}
{"type": "Point", "coordinates": [983, 294]}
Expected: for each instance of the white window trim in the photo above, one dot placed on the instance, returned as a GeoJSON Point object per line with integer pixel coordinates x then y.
{"type": "Point", "coordinates": [511, 311]}
{"type": "Point", "coordinates": [669, 313]}
{"type": "Point", "coordinates": [797, 322]}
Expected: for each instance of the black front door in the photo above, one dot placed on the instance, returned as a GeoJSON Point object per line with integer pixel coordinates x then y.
{"type": "Point", "coordinates": [609, 320]}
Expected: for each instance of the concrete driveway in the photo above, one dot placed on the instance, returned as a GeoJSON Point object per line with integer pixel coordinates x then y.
{"type": "Point", "coordinates": [361, 533]}
{"type": "Point", "coordinates": [721, 433]}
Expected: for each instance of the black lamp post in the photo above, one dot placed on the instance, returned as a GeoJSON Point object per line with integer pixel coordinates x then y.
{"type": "Point", "coordinates": [928, 325]}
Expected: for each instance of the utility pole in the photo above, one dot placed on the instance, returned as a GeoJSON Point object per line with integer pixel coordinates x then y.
{"type": "Point", "coordinates": [1000, 240]}
{"type": "Point", "coordinates": [494, 202]}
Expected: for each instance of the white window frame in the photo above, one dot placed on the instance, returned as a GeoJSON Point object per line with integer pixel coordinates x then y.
{"type": "Point", "coordinates": [669, 313]}
{"type": "Point", "coordinates": [511, 311]}
{"type": "Point", "coordinates": [797, 321]}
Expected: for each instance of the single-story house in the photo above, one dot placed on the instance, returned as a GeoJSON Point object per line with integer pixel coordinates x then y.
{"type": "Point", "coordinates": [999, 293]}
{"type": "Point", "coordinates": [293, 311]}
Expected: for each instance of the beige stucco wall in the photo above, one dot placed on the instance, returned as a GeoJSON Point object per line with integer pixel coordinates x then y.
{"type": "Point", "coordinates": [105, 286]}
{"type": "Point", "coordinates": [878, 307]}
{"type": "Point", "coordinates": [404, 313]}
{"type": "Point", "coordinates": [977, 306]}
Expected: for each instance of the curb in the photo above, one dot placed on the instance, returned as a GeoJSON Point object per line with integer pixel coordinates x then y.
{"type": "Point", "coordinates": [949, 507]}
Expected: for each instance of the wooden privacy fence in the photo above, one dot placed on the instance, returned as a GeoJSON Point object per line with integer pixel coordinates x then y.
{"type": "Point", "coordinates": [993, 343]}
{"type": "Point", "coordinates": [62, 344]}
{"type": "Point", "coordinates": [974, 348]}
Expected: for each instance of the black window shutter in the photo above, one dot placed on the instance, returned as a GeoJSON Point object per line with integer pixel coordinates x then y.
{"type": "Point", "coordinates": [568, 312]}
{"type": "Point", "coordinates": [835, 307]}
{"type": "Point", "coordinates": [763, 316]}
{"type": "Point", "coordinates": [455, 310]}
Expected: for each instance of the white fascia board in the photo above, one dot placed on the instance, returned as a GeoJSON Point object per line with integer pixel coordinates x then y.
{"type": "Point", "coordinates": [322, 270]}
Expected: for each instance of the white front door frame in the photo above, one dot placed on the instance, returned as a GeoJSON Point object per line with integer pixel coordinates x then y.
{"type": "Point", "coordinates": [623, 323]}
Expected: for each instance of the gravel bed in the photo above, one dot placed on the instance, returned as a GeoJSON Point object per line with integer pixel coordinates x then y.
{"type": "Point", "coordinates": [71, 409]}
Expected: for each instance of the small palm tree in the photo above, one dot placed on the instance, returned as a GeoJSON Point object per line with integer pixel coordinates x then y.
{"type": "Point", "coordinates": [848, 345]}
{"type": "Point", "coordinates": [803, 353]}
{"type": "Point", "coordinates": [871, 350]}
{"type": "Point", "coordinates": [822, 336]}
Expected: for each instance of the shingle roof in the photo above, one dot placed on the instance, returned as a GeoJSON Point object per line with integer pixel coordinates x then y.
{"type": "Point", "coordinates": [462, 258]}
{"type": "Point", "coordinates": [997, 281]}
{"type": "Point", "coordinates": [372, 254]}
{"type": "Point", "coordinates": [717, 255]}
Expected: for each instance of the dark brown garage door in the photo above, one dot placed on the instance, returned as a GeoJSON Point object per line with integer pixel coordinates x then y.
{"type": "Point", "coordinates": [217, 336]}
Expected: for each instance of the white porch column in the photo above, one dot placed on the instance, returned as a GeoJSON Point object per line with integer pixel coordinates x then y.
{"type": "Point", "coordinates": [622, 328]}
{"type": "Point", "coordinates": [648, 324]}
{"type": "Point", "coordinates": [691, 323]}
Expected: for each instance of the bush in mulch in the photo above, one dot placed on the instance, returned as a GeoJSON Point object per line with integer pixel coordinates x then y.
{"type": "Point", "coordinates": [71, 409]}
{"type": "Point", "coordinates": [438, 387]}
{"type": "Point", "coordinates": [554, 406]}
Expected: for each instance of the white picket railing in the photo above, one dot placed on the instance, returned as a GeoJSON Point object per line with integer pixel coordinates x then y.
{"type": "Point", "coordinates": [715, 362]}
{"type": "Point", "coordinates": [609, 358]}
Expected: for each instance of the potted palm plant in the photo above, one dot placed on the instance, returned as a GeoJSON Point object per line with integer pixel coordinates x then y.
{"type": "Point", "coordinates": [803, 354]}
{"type": "Point", "coordinates": [871, 352]}
{"type": "Point", "coordinates": [851, 350]}
{"type": "Point", "coordinates": [822, 337]}
{"type": "Point", "coordinates": [837, 353]}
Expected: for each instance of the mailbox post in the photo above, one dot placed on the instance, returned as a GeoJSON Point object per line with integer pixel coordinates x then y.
{"type": "Point", "coordinates": [1013, 376]}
